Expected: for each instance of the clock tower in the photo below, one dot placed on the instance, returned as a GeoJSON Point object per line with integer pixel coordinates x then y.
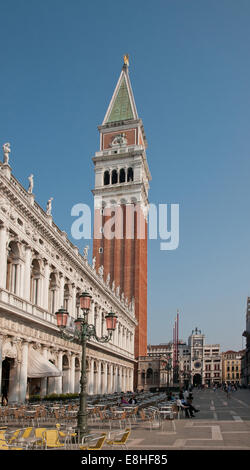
{"type": "Point", "coordinates": [121, 204]}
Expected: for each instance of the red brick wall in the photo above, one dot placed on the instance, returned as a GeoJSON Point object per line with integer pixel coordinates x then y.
{"type": "Point", "coordinates": [126, 261]}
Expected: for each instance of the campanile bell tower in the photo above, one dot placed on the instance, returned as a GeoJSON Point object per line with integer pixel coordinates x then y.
{"type": "Point", "coordinates": [121, 203]}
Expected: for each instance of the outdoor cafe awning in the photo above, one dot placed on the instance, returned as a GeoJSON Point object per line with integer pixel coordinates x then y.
{"type": "Point", "coordinates": [39, 366]}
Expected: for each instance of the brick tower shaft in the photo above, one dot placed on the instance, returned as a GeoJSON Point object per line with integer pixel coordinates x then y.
{"type": "Point", "coordinates": [121, 204]}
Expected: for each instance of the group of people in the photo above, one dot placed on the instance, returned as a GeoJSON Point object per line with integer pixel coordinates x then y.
{"type": "Point", "coordinates": [229, 388]}
{"type": "Point", "coordinates": [186, 400]}
{"type": "Point", "coordinates": [131, 401]}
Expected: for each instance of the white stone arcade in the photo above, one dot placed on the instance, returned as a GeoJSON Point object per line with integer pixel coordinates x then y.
{"type": "Point", "coordinates": [41, 271]}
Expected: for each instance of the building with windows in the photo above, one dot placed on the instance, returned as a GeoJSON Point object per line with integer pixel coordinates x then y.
{"type": "Point", "coordinates": [198, 363]}
{"type": "Point", "coordinates": [41, 271]}
{"type": "Point", "coordinates": [231, 367]}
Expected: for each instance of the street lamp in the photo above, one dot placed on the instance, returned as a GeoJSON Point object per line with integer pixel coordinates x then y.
{"type": "Point", "coordinates": [83, 332]}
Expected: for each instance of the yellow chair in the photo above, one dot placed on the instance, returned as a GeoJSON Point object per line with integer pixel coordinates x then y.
{"type": "Point", "coordinates": [99, 442]}
{"type": "Point", "coordinates": [119, 441]}
{"type": "Point", "coordinates": [4, 445]}
{"type": "Point", "coordinates": [51, 438]}
{"type": "Point", "coordinates": [14, 435]}
{"type": "Point", "coordinates": [26, 433]}
{"type": "Point", "coordinates": [65, 435]}
{"type": "Point", "coordinates": [39, 436]}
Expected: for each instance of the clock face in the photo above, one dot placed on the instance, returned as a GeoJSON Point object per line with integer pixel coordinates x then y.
{"type": "Point", "coordinates": [197, 365]}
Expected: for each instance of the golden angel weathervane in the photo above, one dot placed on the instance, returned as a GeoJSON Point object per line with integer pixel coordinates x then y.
{"type": "Point", "coordinates": [126, 59]}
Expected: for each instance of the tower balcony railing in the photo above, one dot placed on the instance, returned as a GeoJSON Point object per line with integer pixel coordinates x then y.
{"type": "Point", "coordinates": [119, 150]}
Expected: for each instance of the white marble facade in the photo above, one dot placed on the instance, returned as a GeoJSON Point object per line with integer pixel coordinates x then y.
{"type": "Point", "coordinates": [41, 271]}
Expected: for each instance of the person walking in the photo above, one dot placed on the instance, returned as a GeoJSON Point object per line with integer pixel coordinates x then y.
{"type": "Point", "coordinates": [229, 390]}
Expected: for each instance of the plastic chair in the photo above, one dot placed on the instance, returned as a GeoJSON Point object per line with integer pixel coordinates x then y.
{"type": "Point", "coordinates": [14, 435]}
{"type": "Point", "coordinates": [99, 442]}
{"type": "Point", "coordinates": [66, 435]}
{"type": "Point", "coordinates": [119, 441]}
{"type": "Point", "coordinates": [51, 439]}
{"type": "Point", "coordinates": [39, 436]}
{"type": "Point", "coordinates": [4, 445]}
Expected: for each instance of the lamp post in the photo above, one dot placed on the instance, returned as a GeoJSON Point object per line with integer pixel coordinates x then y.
{"type": "Point", "coordinates": [83, 332]}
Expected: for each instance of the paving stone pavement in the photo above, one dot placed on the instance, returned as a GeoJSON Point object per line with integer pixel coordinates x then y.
{"type": "Point", "coordinates": [221, 424]}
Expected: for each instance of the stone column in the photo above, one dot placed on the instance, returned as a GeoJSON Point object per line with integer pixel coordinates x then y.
{"type": "Point", "coordinates": [72, 374]}
{"type": "Point", "coordinates": [27, 272]}
{"type": "Point", "coordinates": [44, 380]}
{"type": "Point", "coordinates": [45, 294]}
{"type": "Point", "coordinates": [119, 378]}
{"type": "Point", "coordinates": [105, 389]}
{"type": "Point", "coordinates": [21, 285]}
{"type": "Point", "coordinates": [14, 378]}
{"type": "Point", "coordinates": [99, 380]}
{"type": "Point", "coordinates": [1, 360]}
{"type": "Point", "coordinates": [66, 377]}
{"type": "Point", "coordinates": [115, 385]}
{"type": "Point", "coordinates": [91, 377]}
{"type": "Point", "coordinates": [110, 390]}
{"type": "Point", "coordinates": [72, 308]}
{"type": "Point", "coordinates": [61, 291]}
{"type": "Point", "coordinates": [23, 372]}
{"type": "Point", "coordinates": [131, 380]}
{"type": "Point", "coordinates": [125, 383]}
{"type": "Point", "coordinates": [3, 255]}
{"type": "Point", "coordinates": [58, 380]}
{"type": "Point", "coordinates": [96, 382]}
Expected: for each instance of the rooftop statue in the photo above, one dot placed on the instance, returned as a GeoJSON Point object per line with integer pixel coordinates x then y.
{"type": "Point", "coordinates": [49, 206]}
{"type": "Point", "coordinates": [101, 271]}
{"type": "Point", "coordinates": [108, 280]}
{"type": "Point", "coordinates": [126, 59]}
{"type": "Point", "coordinates": [6, 152]}
{"type": "Point", "coordinates": [85, 251]}
{"type": "Point", "coordinates": [31, 183]}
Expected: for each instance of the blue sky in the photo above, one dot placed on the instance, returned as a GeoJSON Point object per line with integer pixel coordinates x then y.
{"type": "Point", "coordinates": [190, 72]}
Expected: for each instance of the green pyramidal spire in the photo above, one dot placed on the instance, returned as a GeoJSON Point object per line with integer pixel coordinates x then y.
{"type": "Point", "coordinates": [122, 105]}
{"type": "Point", "coordinates": [121, 109]}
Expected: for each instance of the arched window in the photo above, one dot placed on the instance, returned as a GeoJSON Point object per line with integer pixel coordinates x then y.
{"type": "Point", "coordinates": [65, 362]}
{"type": "Point", "coordinates": [114, 177]}
{"type": "Point", "coordinates": [12, 268]}
{"type": "Point", "coordinates": [106, 179]}
{"type": "Point", "coordinates": [130, 175]}
{"type": "Point", "coordinates": [122, 176]}
{"type": "Point", "coordinates": [149, 376]}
